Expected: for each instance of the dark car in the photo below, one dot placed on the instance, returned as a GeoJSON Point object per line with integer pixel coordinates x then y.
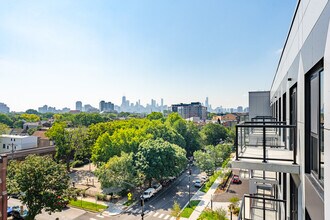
{"type": "Point", "coordinates": [236, 179]}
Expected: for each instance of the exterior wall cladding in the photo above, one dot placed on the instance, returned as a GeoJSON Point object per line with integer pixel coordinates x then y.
{"type": "Point", "coordinates": [301, 93]}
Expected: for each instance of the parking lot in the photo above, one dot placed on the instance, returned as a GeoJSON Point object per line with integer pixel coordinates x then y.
{"type": "Point", "coordinates": [237, 190]}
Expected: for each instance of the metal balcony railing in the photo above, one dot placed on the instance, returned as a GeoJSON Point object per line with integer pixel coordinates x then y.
{"type": "Point", "coordinates": [262, 207]}
{"type": "Point", "coordinates": [265, 139]}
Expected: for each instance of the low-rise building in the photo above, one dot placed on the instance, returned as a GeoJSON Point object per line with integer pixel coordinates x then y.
{"type": "Point", "coordinates": [10, 143]}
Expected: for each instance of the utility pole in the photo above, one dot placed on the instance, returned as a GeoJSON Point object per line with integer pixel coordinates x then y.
{"type": "Point", "coordinates": [142, 204]}
{"type": "Point", "coordinates": [189, 184]}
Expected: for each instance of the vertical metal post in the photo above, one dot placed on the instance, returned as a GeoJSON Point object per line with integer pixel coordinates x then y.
{"type": "Point", "coordinates": [236, 142]}
{"type": "Point", "coordinates": [211, 202]}
{"type": "Point", "coordinates": [264, 207]}
{"type": "Point", "coordinates": [264, 143]}
{"type": "Point", "coordinates": [142, 204]}
{"type": "Point", "coordinates": [189, 185]}
{"type": "Point", "coordinates": [294, 145]}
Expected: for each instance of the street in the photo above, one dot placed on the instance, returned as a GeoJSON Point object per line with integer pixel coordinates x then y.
{"type": "Point", "coordinates": [159, 207]}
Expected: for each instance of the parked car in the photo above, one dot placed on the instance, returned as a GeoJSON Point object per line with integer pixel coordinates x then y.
{"type": "Point", "coordinates": [157, 187]}
{"type": "Point", "coordinates": [205, 178]}
{"type": "Point", "coordinates": [236, 179]}
{"type": "Point", "coordinates": [198, 183]}
{"type": "Point", "coordinates": [148, 193]}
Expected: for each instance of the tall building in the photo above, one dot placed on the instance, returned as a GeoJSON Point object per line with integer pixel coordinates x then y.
{"type": "Point", "coordinates": [194, 109]}
{"type": "Point", "coordinates": [286, 152]}
{"type": "Point", "coordinates": [102, 106]}
{"type": "Point", "coordinates": [4, 108]}
{"type": "Point", "coordinates": [79, 105]}
{"type": "Point", "coordinates": [207, 102]}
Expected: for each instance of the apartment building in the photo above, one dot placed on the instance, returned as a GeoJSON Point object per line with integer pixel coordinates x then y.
{"type": "Point", "coordinates": [194, 109]}
{"type": "Point", "coordinates": [285, 154]}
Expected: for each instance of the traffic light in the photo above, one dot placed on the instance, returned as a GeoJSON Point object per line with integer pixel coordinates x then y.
{"type": "Point", "coordinates": [189, 171]}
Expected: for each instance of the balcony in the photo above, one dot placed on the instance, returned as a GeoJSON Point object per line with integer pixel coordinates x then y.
{"type": "Point", "coordinates": [266, 145]}
{"type": "Point", "coordinates": [262, 207]}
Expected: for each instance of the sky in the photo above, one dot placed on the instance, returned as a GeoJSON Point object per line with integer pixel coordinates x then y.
{"type": "Point", "coordinates": [57, 52]}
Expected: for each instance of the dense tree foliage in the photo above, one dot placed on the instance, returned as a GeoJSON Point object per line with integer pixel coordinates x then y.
{"type": "Point", "coordinates": [5, 119]}
{"type": "Point", "coordinates": [159, 159]}
{"type": "Point", "coordinates": [30, 117]}
{"type": "Point", "coordinates": [213, 134]}
{"type": "Point", "coordinates": [41, 183]}
{"type": "Point", "coordinates": [119, 171]}
{"type": "Point", "coordinates": [212, 156]}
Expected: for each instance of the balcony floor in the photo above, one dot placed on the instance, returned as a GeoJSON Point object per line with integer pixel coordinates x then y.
{"type": "Point", "coordinates": [271, 165]}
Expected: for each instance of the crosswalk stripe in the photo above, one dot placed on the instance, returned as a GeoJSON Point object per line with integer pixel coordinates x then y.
{"type": "Point", "coordinates": [130, 209]}
{"type": "Point", "coordinates": [100, 216]}
{"type": "Point", "coordinates": [135, 211]}
{"type": "Point", "coordinates": [155, 215]}
{"type": "Point", "coordinates": [161, 215]}
{"type": "Point", "coordinates": [166, 217]}
{"type": "Point", "coordinates": [173, 218]}
{"type": "Point", "coordinates": [140, 211]}
{"type": "Point", "coordinates": [146, 211]}
{"type": "Point", "coordinates": [92, 219]}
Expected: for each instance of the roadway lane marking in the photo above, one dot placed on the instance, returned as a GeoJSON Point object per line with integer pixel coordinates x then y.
{"type": "Point", "coordinates": [167, 217]}
{"type": "Point", "coordinates": [161, 215]}
{"type": "Point", "coordinates": [135, 211]}
{"type": "Point", "coordinates": [155, 215]}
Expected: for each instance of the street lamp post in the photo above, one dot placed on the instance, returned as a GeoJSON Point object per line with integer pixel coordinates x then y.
{"type": "Point", "coordinates": [189, 184]}
{"type": "Point", "coordinates": [142, 204]}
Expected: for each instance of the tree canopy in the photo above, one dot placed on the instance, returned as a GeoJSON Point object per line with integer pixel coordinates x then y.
{"type": "Point", "coordinates": [41, 183]}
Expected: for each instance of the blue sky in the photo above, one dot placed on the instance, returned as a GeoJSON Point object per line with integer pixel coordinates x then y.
{"type": "Point", "coordinates": [57, 52]}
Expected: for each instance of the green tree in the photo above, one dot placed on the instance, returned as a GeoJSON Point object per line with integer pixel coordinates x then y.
{"type": "Point", "coordinates": [42, 184]}
{"type": "Point", "coordinates": [158, 159]}
{"type": "Point", "coordinates": [119, 171]}
{"type": "Point", "coordinates": [30, 117]}
{"type": "Point", "coordinates": [155, 116]}
{"type": "Point", "coordinates": [32, 111]}
{"type": "Point", "coordinates": [4, 129]}
{"type": "Point", "coordinates": [5, 119]}
{"type": "Point", "coordinates": [213, 134]}
{"type": "Point", "coordinates": [204, 161]}
{"type": "Point", "coordinates": [67, 141]}
{"type": "Point", "coordinates": [176, 209]}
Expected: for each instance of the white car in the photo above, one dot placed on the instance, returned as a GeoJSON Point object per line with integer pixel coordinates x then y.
{"type": "Point", "coordinates": [157, 187]}
{"type": "Point", "coordinates": [148, 193]}
{"type": "Point", "coordinates": [198, 183]}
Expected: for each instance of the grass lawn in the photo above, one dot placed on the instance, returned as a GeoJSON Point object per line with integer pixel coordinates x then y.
{"type": "Point", "coordinates": [189, 208]}
{"type": "Point", "coordinates": [90, 206]}
{"type": "Point", "coordinates": [210, 182]}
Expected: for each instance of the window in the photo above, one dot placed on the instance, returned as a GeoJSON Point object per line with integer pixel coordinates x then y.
{"type": "Point", "coordinates": [315, 124]}
{"type": "Point", "coordinates": [3, 146]}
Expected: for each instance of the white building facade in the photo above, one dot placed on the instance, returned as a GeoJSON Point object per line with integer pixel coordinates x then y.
{"type": "Point", "coordinates": [9, 143]}
{"type": "Point", "coordinates": [295, 144]}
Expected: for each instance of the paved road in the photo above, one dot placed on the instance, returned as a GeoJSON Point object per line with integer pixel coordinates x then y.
{"type": "Point", "coordinates": [159, 207]}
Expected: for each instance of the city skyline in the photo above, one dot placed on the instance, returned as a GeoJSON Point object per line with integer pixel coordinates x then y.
{"type": "Point", "coordinates": [57, 52]}
{"type": "Point", "coordinates": [126, 105]}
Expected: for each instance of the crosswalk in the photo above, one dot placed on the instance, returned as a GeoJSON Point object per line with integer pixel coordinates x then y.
{"type": "Point", "coordinates": [152, 213]}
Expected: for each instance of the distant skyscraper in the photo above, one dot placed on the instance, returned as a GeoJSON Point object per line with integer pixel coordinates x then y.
{"type": "Point", "coordinates": [161, 102]}
{"type": "Point", "coordinates": [102, 106]}
{"type": "Point", "coordinates": [239, 109]}
{"type": "Point", "coordinates": [79, 105]}
{"type": "Point", "coordinates": [207, 102]}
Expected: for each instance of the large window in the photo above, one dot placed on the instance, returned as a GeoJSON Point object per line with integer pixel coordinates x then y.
{"type": "Point", "coordinates": [315, 120]}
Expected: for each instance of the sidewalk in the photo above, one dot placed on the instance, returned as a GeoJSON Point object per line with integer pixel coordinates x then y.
{"type": "Point", "coordinates": [205, 202]}
{"type": "Point", "coordinates": [205, 199]}
{"type": "Point", "coordinates": [113, 208]}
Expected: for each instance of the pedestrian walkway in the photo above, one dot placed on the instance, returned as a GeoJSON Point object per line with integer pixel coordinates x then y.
{"type": "Point", "coordinates": [205, 201]}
